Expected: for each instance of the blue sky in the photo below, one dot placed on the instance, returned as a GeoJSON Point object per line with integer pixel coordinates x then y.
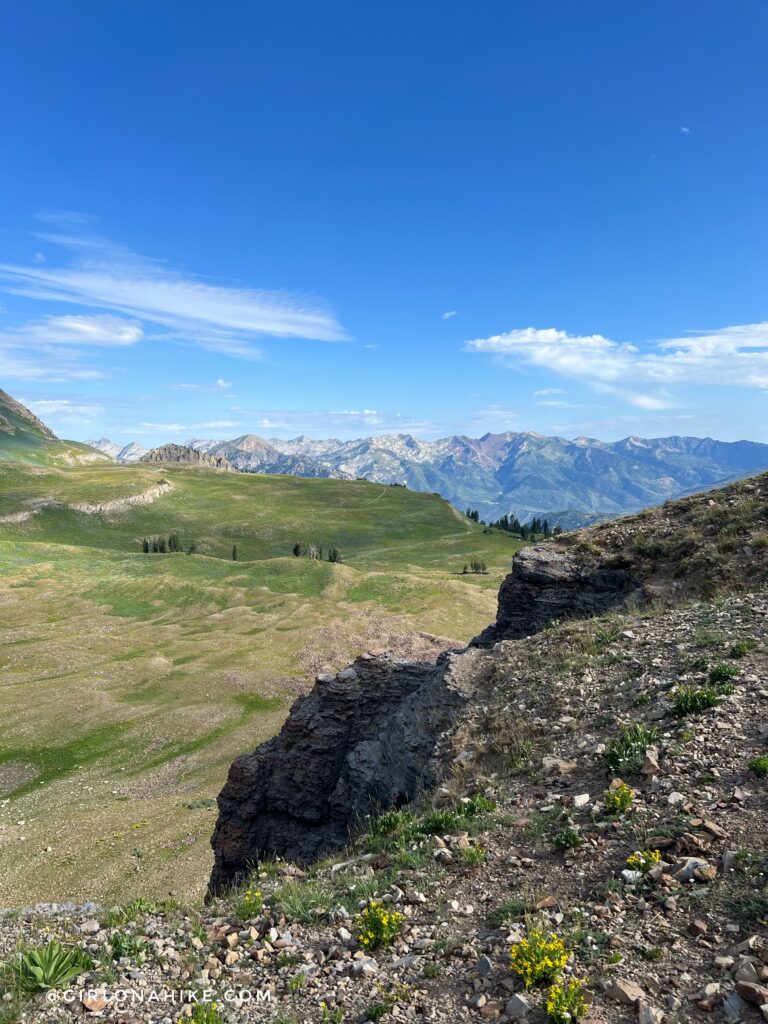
{"type": "Point", "coordinates": [349, 219]}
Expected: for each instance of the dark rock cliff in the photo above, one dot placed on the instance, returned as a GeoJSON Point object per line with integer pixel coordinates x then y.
{"type": "Point", "coordinates": [360, 741]}
{"type": "Point", "coordinates": [549, 583]}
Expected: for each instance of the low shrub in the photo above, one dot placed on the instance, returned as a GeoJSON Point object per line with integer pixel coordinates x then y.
{"type": "Point", "coordinates": [742, 648]}
{"type": "Point", "coordinates": [538, 957]}
{"type": "Point", "coordinates": [722, 672]}
{"type": "Point", "coordinates": [565, 1001]}
{"type": "Point", "coordinates": [618, 798]}
{"type": "Point", "coordinates": [643, 860]}
{"type": "Point", "coordinates": [46, 967]}
{"type": "Point", "coordinates": [568, 839]}
{"type": "Point", "coordinates": [759, 765]}
{"type": "Point", "coordinates": [627, 751]}
{"type": "Point", "coordinates": [689, 700]}
{"type": "Point", "coordinates": [378, 925]}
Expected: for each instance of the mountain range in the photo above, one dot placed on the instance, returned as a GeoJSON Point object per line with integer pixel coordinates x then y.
{"type": "Point", "coordinates": [518, 473]}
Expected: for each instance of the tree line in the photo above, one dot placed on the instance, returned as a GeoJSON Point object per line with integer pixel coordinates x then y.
{"type": "Point", "coordinates": [511, 524]}
{"type": "Point", "coordinates": [315, 552]}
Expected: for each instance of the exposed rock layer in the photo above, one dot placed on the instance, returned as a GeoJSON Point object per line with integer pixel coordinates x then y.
{"type": "Point", "coordinates": [547, 583]}
{"type": "Point", "coordinates": [177, 453]}
{"type": "Point", "coordinates": [363, 740]}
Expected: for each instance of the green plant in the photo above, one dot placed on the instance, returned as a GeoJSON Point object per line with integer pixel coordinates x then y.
{"type": "Point", "coordinates": [538, 957]}
{"type": "Point", "coordinates": [377, 925]}
{"type": "Point", "coordinates": [722, 672]}
{"type": "Point", "coordinates": [124, 945]}
{"type": "Point", "coordinates": [707, 637]}
{"type": "Point", "coordinates": [565, 1001]}
{"type": "Point", "coordinates": [742, 648]}
{"type": "Point", "coordinates": [627, 751]}
{"type": "Point", "coordinates": [304, 901]}
{"type": "Point", "coordinates": [475, 805]}
{"type": "Point", "coordinates": [759, 765]}
{"type": "Point", "coordinates": [618, 798]}
{"type": "Point", "coordinates": [130, 913]}
{"type": "Point", "coordinates": [568, 839]}
{"type": "Point", "coordinates": [50, 966]}
{"type": "Point", "coordinates": [442, 822]}
{"type": "Point", "coordinates": [643, 860]}
{"type": "Point", "coordinates": [689, 700]}
{"type": "Point", "coordinates": [473, 855]}
{"type": "Point", "coordinates": [506, 912]}
{"type": "Point", "coordinates": [247, 904]}
{"type": "Point", "coordinates": [608, 634]}
{"type": "Point", "coordinates": [331, 1016]}
{"type": "Point", "coordinates": [203, 1013]}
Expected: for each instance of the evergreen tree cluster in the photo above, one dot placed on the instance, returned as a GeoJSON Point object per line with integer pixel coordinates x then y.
{"type": "Point", "coordinates": [527, 531]}
{"type": "Point", "coordinates": [475, 566]}
{"type": "Point", "coordinates": [315, 552]}
{"type": "Point", "coordinates": [164, 545]}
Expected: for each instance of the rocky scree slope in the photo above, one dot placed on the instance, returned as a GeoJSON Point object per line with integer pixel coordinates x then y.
{"type": "Point", "coordinates": [368, 739]}
{"type": "Point", "coordinates": [525, 831]}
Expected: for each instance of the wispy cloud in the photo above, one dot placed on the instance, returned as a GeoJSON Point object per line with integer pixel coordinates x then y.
{"type": "Point", "coordinates": [685, 131]}
{"type": "Point", "coordinates": [62, 410]}
{"type": "Point", "coordinates": [449, 314]}
{"type": "Point", "coordinates": [179, 306]}
{"type": "Point", "coordinates": [218, 386]}
{"type": "Point", "coordinates": [344, 423]}
{"type": "Point", "coordinates": [183, 428]}
{"type": "Point", "coordinates": [735, 356]}
{"type": "Point", "coordinates": [54, 347]}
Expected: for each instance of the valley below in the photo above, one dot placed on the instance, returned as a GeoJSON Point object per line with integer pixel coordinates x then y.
{"type": "Point", "coordinates": [130, 681]}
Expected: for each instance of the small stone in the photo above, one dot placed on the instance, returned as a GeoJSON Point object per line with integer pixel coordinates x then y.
{"type": "Point", "coordinates": [697, 928]}
{"type": "Point", "coordinates": [756, 994]}
{"type": "Point", "coordinates": [625, 991]}
{"type": "Point", "coordinates": [484, 967]}
{"type": "Point", "coordinates": [649, 1014]}
{"type": "Point", "coordinates": [90, 927]}
{"type": "Point", "coordinates": [581, 800]}
{"type": "Point", "coordinates": [478, 1000]}
{"type": "Point", "coordinates": [517, 1007]}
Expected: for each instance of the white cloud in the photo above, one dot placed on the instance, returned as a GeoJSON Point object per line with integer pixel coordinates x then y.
{"type": "Point", "coordinates": [543, 392]}
{"type": "Point", "coordinates": [223, 384]}
{"type": "Point", "coordinates": [221, 318]}
{"type": "Point", "coordinates": [735, 356]}
{"type": "Point", "coordinates": [63, 410]}
{"type": "Point", "coordinates": [494, 414]}
{"type": "Point", "coordinates": [449, 314]}
{"type": "Point", "coordinates": [347, 423]}
{"type": "Point", "coordinates": [39, 257]}
{"type": "Point", "coordinates": [72, 330]}
{"type": "Point", "coordinates": [685, 131]}
{"type": "Point", "coordinates": [183, 428]}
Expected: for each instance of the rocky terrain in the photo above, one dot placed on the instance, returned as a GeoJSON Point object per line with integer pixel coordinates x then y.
{"type": "Point", "coordinates": [573, 482]}
{"type": "Point", "coordinates": [177, 454]}
{"type": "Point", "coordinates": [600, 785]}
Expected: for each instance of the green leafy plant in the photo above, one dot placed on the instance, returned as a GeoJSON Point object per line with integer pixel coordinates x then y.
{"type": "Point", "coordinates": [627, 751]}
{"type": "Point", "coordinates": [568, 839]}
{"type": "Point", "coordinates": [759, 765]}
{"type": "Point", "coordinates": [124, 945]}
{"type": "Point", "coordinates": [540, 956]}
{"type": "Point", "coordinates": [473, 855]}
{"type": "Point", "coordinates": [742, 648]}
{"type": "Point", "coordinates": [722, 672]}
{"type": "Point", "coordinates": [565, 1001]}
{"type": "Point", "coordinates": [203, 1013]}
{"type": "Point", "coordinates": [50, 966]}
{"type": "Point", "coordinates": [689, 700]}
{"type": "Point", "coordinates": [249, 903]}
{"type": "Point", "coordinates": [377, 925]}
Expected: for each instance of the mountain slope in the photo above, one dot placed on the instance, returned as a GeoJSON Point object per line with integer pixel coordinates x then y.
{"type": "Point", "coordinates": [23, 437]}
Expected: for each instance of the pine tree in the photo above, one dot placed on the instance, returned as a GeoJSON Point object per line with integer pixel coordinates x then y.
{"type": "Point", "coordinates": [234, 552]}
{"type": "Point", "coordinates": [298, 550]}
{"type": "Point", "coordinates": [145, 546]}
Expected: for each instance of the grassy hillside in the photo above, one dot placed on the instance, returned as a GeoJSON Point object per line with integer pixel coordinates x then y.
{"type": "Point", "coordinates": [128, 681]}
{"type": "Point", "coordinates": [23, 437]}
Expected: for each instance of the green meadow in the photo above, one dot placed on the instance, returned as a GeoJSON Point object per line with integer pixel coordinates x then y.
{"type": "Point", "coordinates": [130, 681]}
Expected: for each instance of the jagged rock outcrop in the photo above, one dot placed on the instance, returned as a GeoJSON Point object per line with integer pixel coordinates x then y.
{"type": "Point", "coordinates": [547, 583]}
{"type": "Point", "coordinates": [178, 454]}
{"type": "Point", "coordinates": [360, 741]}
